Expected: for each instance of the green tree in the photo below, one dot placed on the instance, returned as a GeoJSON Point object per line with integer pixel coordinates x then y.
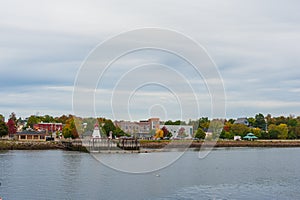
{"type": "Point", "coordinates": [200, 134]}
{"type": "Point", "coordinates": [32, 120]}
{"type": "Point", "coordinates": [273, 132]}
{"type": "Point", "coordinates": [109, 126]}
{"type": "Point", "coordinates": [251, 121]}
{"type": "Point", "coordinates": [169, 122]}
{"type": "Point", "coordinates": [239, 129]}
{"type": "Point", "coordinates": [3, 128]}
{"type": "Point", "coordinates": [67, 132]}
{"type": "Point", "coordinates": [260, 121]}
{"type": "Point", "coordinates": [257, 132]}
{"type": "Point", "coordinates": [204, 123]}
{"type": "Point", "coordinates": [2, 117]}
{"type": "Point", "coordinates": [119, 132]}
{"type": "Point", "coordinates": [283, 131]}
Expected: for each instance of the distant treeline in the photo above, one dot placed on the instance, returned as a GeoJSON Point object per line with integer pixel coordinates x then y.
{"type": "Point", "coordinates": [264, 127]}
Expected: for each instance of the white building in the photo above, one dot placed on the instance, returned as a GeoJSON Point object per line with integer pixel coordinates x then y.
{"type": "Point", "coordinates": [96, 132]}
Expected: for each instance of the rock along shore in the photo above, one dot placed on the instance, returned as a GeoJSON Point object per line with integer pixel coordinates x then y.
{"type": "Point", "coordinates": [37, 145]}
{"type": "Point", "coordinates": [145, 144]}
{"type": "Point", "coordinates": [229, 143]}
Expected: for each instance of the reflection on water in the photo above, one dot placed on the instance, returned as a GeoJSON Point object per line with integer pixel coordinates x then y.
{"type": "Point", "coordinates": [235, 173]}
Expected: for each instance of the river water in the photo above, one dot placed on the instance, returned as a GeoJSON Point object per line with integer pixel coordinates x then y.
{"type": "Point", "coordinates": [231, 173]}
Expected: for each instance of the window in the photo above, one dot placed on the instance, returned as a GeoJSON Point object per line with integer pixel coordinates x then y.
{"type": "Point", "coordinates": [23, 137]}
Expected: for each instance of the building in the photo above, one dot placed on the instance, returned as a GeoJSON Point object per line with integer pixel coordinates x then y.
{"type": "Point", "coordinates": [96, 132]}
{"type": "Point", "coordinates": [139, 129]}
{"type": "Point", "coordinates": [179, 131]}
{"type": "Point", "coordinates": [49, 127]}
{"type": "Point", "coordinates": [243, 121]}
{"type": "Point", "coordinates": [32, 135]}
{"type": "Point", "coordinates": [250, 136]}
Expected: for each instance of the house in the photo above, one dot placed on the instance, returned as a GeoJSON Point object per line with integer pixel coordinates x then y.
{"type": "Point", "coordinates": [32, 135]}
{"type": "Point", "coordinates": [243, 121]}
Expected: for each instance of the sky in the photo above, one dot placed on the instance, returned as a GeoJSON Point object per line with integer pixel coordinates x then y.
{"type": "Point", "coordinates": [254, 44]}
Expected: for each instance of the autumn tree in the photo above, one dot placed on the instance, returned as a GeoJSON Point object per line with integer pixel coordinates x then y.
{"type": "Point", "coordinates": [159, 134]}
{"type": "Point", "coordinates": [12, 124]}
{"type": "Point", "coordinates": [167, 133]}
{"type": "Point", "coordinates": [278, 131]}
{"type": "Point", "coordinates": [283, 131]}
{"type": "Point", "coordinates": [69, 130]}
{"type": "Point", "coordinates": [239, 129]}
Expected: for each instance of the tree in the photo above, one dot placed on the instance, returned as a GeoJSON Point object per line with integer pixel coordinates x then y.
{"type": "Point", "coordinates": [283, 131]}
{"type": "Point", "coordinates": [260, 121]}
{"type": "Point", "coordinates": [239, 129]}
{"type": "Point", "coordinates": [169, 122]}
{"type": "Point", "coordinates": [166, 132]}
{"type": "Point", "coordinates": [278, 132]}
{"type": "Point", "coordinates": [204, 123]}
{"type": "Point", "coordinates": [256, 132]}
{"type": "Point", "coordinates": [12, 124]}
{"type": "Point", "coordinates": [3, 128]}
{"type": "Point", "coordinates": [32, 120]}
{"type": "Point", "coordinates": [273, 132]}
{"type": "Point", "coordinates": [2, 117]}
{"type": "Point", "coordinates": [109, 126]}
{"type": "Point", "coordinates": [200, 134]}
{"type": "Point", "coordinates": [159, 133]}
{"type": "Point", "coordinates": [119, 132]}
{"type": "Point", "coordinates": [251, 121]}
{"type": "Point", "coordinates": [69, 130]}
{"type": "Point", "coordinates": [13, 117]}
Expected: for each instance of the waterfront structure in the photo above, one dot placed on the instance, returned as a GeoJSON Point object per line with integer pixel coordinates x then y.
{"type": "Point", "coordinates": [96, 132]}
{"type": "Point", "coordinates": [250, 136]}
{"type": "Point", "coordinates": [29, 135]}
{"type": "Point", "coordinates": [179, 131]}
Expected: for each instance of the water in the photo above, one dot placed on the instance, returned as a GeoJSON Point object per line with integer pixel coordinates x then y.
{"type": "Point", "coordinates": [234, 173]}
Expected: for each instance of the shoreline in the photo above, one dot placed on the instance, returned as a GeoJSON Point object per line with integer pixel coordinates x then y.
{"type": "Point", "coordinates": [221, 144]}
{"type": "Point", "coordinates": [149, 146]}
{"type": "Point", "coordinates": [38, 145]}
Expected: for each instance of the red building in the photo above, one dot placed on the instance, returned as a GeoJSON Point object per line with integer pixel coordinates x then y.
{"type": "Point", "coordinates": [50, 127]}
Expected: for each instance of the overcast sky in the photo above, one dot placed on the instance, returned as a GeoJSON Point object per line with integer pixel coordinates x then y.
{"type": "Point", "coordinates": [255, 45]}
